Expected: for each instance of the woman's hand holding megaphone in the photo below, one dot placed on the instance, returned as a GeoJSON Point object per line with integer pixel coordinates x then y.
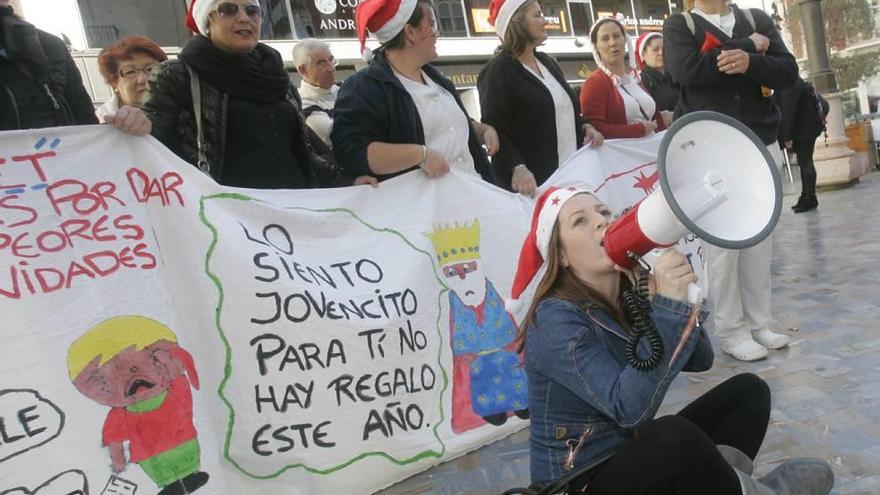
{"type": "Point", "coordinates": [672, 275]}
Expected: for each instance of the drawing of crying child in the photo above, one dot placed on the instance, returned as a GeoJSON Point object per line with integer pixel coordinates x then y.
{"type": "Point", "coordinates": [134, 365]}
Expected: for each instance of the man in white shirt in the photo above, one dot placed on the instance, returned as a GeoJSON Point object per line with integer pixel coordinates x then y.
{"type": "Point", "coordinates": [318, 89]}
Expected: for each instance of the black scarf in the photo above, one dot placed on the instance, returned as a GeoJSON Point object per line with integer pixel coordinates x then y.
{"type": "Point", "coordinates": [256, 76]}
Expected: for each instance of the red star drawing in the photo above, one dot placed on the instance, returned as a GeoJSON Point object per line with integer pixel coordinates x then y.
{"type": "Point", "coordinates": [555, 201]}
{"type": "Point", "coordinates": [645, 183]}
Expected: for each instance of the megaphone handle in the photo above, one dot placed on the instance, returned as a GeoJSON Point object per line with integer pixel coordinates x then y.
{"type": "Point", "coordinates": [695, 294]}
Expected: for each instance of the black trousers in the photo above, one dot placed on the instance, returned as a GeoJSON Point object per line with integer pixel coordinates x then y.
{"type": "Point", "coordinates": [677, 454]}
{"type": "Point", "coordinates": [804, 152]}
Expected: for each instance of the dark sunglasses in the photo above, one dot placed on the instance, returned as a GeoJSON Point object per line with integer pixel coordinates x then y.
{"type": "Point", "coordinates": [229, 9]}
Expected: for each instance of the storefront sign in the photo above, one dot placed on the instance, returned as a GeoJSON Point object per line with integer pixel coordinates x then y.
{"type": "Point", "coordinates": [481, 21]}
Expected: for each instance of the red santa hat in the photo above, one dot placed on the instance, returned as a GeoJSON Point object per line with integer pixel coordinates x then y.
{"type": "Point", "coordinates": [384, 18]}
{"type": "Point", "coordinates": [500, 13]}
{"type": "Point", "coordinates": [197, 16]}
{"type": "Point", "coordinates": [536, 245]}
{"type": "Point", "coordinates": [641, 43]}
{"type": "Point", "coordinates": [618, 18]}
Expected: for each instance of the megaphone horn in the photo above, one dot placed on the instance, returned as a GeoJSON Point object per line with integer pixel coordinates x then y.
{"type": "Point", "coordinates": [717, 180]}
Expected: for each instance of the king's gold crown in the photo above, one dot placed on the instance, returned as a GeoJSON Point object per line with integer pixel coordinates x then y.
{"type": "Point", "coordinates": [456, 243]}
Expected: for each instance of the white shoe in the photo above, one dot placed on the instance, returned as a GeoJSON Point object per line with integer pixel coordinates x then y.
{"type": "Point", "coordinates": [746, 351]}
{"type": "Point", "coordinates": [770, 339]}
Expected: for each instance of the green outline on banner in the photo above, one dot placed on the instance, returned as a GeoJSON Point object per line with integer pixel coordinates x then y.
{"type": "Point", "coordinates": [227, 368]}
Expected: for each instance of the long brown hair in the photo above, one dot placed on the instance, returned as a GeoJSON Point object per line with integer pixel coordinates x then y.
{"type": "Point", "coordinates": [517, 37]}
{"type": "Point", "coordinates": [559, 282]}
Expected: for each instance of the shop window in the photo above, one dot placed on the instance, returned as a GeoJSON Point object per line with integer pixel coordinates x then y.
{"type": "Point", "coordinates": [106, 21]}
{"type": "Point", "coordinates": [557, 17]}
{"type": "Point", "coordinates": [477, 12]}
{"type": "Point", "coordinates": [582, 17]}
{"type": "Point", "coordinates": [450, 18]}
{"type": "Point", "coordinates": [555, 13]}
{"type": "Point", "coordinates": [323, 18]}
{"type": "Point", "coordinates": [648, 16]}
{"type": "Point", "coordinates": [276, 22]}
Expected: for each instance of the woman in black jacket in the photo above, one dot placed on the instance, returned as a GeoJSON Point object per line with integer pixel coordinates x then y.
{"type": "Point", "coordinates": [400, 114]}
{"type": "Point", "coordinates": [524, 95]}
{"type": "Point", "coordinates": [247, 129]}
{"type": "Point", "coordinates": [658, 82]}
{"type": "Point", "coordinates": [40, 85]}
{"type": "Point", "coordinates": [801, 125]}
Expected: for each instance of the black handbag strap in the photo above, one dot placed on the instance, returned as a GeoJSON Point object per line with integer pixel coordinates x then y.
{"type": "Point", "coordinates": [642, 110]}
{"type": "Point", "coordinates": [195, 89]}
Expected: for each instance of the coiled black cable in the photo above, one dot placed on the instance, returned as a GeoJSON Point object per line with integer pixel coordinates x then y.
{"type": "Point", "coordinates": [638, 307]}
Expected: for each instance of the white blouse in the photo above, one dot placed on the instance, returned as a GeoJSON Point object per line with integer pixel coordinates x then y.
{"type": "Point", "coordinates": [566, 135]}
{"type": "Point", "coordinates": [446, 126]}
{"type": "Point", "coordinates": [636, 100]}
{"type": "Point", "coordinates": [724, 22]}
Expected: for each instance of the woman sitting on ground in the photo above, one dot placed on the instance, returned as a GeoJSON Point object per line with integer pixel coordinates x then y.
{"type": "Point", "coordinates": [592, 402]}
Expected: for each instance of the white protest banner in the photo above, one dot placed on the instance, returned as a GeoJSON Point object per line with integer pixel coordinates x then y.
{"type": "Point", "coordinates": [164, 334]}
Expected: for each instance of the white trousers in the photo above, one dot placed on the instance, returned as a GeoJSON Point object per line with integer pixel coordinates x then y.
{"type": "Point", "coordinates": [739, 285]}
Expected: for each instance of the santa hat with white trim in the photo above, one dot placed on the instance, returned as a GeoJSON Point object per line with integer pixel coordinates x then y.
{"type": "Point", "coordinates": [197, 16]}
{"type": "Point", "coordinates": [618, 18]}
{"type": "Point", "coordinates": [641, 43]}
{"type": "Point", "coordinates": [536, 245]}
{"type": "Point", "coordinates": [385, 19]}
{"type": "Point", "coordinates": [500, 13]}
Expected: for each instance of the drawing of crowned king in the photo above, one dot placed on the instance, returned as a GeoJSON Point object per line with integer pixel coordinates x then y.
{"type": "Point", "coordinates": [489, 382]}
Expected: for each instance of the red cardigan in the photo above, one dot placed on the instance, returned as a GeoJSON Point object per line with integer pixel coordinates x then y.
{"type": "Point", "coordinates": [602, 106]}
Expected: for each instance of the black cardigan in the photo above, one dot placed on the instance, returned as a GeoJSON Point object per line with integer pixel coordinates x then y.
{"type": "Point", "coordinates": [800, 119]}
{"type": "Point", "coordinates": [521, 109]}
{"type": "Point", "coordinates": [661, 87]}
{"type": "Point", "coordinates": [704, 87]}
{"type": "Point", "coordinates": [373, 105]}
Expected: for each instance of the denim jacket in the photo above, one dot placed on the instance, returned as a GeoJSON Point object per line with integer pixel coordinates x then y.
{"type": "Point", "coordinates": [581, 386]}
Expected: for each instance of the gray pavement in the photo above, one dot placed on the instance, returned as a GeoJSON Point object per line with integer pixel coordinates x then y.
{"type": "Point", "coordinates": [826, 385]}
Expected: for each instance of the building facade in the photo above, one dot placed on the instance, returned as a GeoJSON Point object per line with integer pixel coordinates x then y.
{"type": "Point", "coordinates": [467, 40]}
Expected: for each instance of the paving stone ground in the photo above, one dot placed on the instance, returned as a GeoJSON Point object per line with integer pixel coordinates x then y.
{"type": "Point", "coordinates": [826, 385]}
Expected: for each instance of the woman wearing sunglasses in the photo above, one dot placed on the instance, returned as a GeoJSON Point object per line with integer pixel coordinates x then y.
{"type": "Point", "coordinates": [126, 66]}
{"type": "Point", "coordinates": [246, 128]}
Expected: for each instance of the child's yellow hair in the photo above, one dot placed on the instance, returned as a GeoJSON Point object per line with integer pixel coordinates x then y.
{"type": "Point", "coordinates": [110, 337]}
